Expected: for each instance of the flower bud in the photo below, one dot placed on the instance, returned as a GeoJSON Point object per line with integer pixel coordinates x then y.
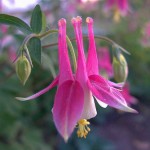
{"type": "Point", "coordinates": [23, 69]}
{"type": "Point", "coordinates": [120, 68]}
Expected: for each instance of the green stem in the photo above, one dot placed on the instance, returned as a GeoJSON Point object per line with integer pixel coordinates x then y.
{"type": "Point", "coordinates": [96, 37]}
{"type": "Point", "coordinates": [43, 35]}
{"type": "Point", "coordinates": [72, 53]}
{"type": "Point", "coordinates": [111, 42]}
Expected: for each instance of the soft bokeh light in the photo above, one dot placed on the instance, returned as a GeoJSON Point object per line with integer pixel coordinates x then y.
{"type": "Point", "coordinates": [18, 4]}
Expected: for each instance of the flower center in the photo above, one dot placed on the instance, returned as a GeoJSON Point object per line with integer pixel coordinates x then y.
{"type": "Point", "coordinates": [83, 128]}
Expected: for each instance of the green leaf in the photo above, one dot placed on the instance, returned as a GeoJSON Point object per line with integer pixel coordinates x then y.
{"type": "Point", "coordinates": [11, 20]}
{"type": "Point", "coordinates": [36, 20]}
{"type": "Point", "coordinates": [48, 64]}
{"type": "Point", "coordinates": [44, 23]}
{"type": "Point", "coordinates": [34, 47]}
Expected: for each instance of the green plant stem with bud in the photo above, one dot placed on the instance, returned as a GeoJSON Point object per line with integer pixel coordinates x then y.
{"type": "Point", "coordinates": [23, 69]}
{"type": "Point", "coordinates": [44, 35]}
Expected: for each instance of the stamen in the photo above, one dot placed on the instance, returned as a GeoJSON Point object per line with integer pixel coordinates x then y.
{"type": "Point", "coordinates": [83, 128]}
{"type": "Point", "coordinates": [116, 15]}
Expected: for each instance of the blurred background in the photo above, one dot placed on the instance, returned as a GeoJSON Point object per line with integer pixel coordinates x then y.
{"type": "Point", "coordinates": [29, 125]}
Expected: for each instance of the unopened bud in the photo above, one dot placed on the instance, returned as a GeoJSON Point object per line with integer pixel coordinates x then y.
{"type": "Point", "coordinates": [23, 69]}
{"type": "Point", "coordinates": [120, 68]}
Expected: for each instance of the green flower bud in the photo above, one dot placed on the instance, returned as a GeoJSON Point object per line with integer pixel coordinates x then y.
{"type": "Point", "coordinates": [23, 69]}
{"type": "Point", "coordinates": [120, 68]}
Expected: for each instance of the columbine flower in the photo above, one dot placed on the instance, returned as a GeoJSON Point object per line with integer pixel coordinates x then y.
{"type": "Point", "coordinates": [103, 90]}
{"type": "Point", "coordinates": [69, 98]}
{"type": "Point", "coordinates": [120, 8]}
{"type": "Point", "coordinates": [104, 62]}
{"type": "Point", "coordinates": [74, 103]}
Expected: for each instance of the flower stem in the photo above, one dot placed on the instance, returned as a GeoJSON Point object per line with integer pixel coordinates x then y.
{"type": "Point", "coordinates": [43, 35]}
{"type": "Point", "coordinates": [111, 42]}
{"type": "Point", "coordinates": [72, 53]}
{"type": "Point", "coordinates": [96, 37]}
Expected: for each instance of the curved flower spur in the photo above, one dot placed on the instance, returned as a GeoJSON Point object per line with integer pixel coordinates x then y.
{"type": "Point", "coordinates": [74, 103]}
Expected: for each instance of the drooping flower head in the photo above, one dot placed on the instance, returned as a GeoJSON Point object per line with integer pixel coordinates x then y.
{"type": "Point", "coordinates": [69, 98]}
{"type": "Point", "coordinates": [74, 102]}
{"type": "Point", "coordinates": [120, 8]}
{"type": "Point", "coordinates": [89, 110]}
{"type": "Point", "coordinates": [102, 89]}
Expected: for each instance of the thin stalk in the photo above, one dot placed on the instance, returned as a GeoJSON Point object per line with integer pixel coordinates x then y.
{"type": "Point", "coordinates": [72, 53]}
{"type": "Point", "coordinates": [96, 37]}
{"type": "Point", "coordinates": [43, 35]}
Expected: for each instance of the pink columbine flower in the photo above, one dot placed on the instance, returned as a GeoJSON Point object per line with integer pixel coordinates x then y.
{"type": "Point", "coordinates": [104, 91]}
{"type": "Point", "coordinates": [120, 8]}
{"type": "Point", "coordinates": [128, 97]}
{"type": "Point", "coordinates": [69, 98]}
{"type": "Point", "coordinates": [104, 62]}
{"type": "Point", "coordinates": [74, 103]}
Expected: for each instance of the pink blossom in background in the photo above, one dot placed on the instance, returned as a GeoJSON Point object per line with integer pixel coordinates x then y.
{"type": "Point", "coordinates": [145, 41]}
{"type": "Point", "coordinates": [88, 5]}
{"type": "Point", "coordinates": [120, 8]}
{"type": "Point", "coordinates": [104, 61]}
{"type": "Point", "coordinates": [12, 54]}
{"type": "Point", "coordinates": [4, 29]}
{"type": "Point", "coordinates": [72, 7]}
{"type": "Point", "coordinates": [126, 94]}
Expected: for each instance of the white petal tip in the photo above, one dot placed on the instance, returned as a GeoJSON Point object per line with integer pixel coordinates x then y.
{"type": "Point", "coordinates": [102, 104]}
{"type": "Point", "coordinates": [66, 139]}
{"type": "Point", "coordinates": [128, 109]}
{"type": "Point", "coordinates": [21, 98]}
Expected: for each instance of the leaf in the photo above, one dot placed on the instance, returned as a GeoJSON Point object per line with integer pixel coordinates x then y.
{"type": "Point", "coordinates": [34, 47]}
{"type": "Point", "coordinates": [43, 22]}
{"type": "Point", "coordinates": [36, 20]}
{"type": "Point", "coordinates": [48, 64]}
{"type": "Point", "coordinates": [11, 20]}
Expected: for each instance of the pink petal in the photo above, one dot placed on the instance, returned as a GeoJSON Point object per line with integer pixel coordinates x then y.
{"type": "Point", "coordinates": [117, 85]}
{"type": "Point", "coordinates": [107, 94]}
{"type": "Point", "coordinates": [92, 61]}
{"type": "Point", "coordinates": [68, 106]}
{"type": "Point", "coordinates": [53, 84]}
{"type": "Point", "coordinates": [89, 109]}
{"type": "Point", "coordinates": [123, 6]}
{"type": "Point", "coordinates": [81, 74]}
{"type": "Point", "coordinates": [64, 62]}
{"type": "Point", "coordinates": [102, 104]}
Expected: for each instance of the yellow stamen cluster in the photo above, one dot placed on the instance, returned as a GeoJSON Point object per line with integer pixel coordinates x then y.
{"type": "Point", "coordinates": [83, 128]}
{"type": "Point", "coordinates": [116, 15]}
